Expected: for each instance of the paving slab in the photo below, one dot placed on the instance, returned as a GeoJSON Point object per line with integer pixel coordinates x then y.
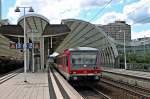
{"type": "Point", "coordinates": [35, 88]}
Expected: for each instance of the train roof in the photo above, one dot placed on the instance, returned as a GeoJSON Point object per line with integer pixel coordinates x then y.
{"type": "Point", "coordinates": [83, 49]}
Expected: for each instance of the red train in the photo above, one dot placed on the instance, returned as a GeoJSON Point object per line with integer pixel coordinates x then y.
{"type": "Point", "coordinates": [80, 63]}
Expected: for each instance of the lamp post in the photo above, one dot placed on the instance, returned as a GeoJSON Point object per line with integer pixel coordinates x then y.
{"type": "Point", "coordinates": [25, 41]}
{"type": "Point", "coordinates": [134, 42]}
{"type": "Point", "coordinates": [125, 63]}
{"type": "Point", "coordinates": [144, 47]}
{"type": "Point", "coordinates": [124, 48]}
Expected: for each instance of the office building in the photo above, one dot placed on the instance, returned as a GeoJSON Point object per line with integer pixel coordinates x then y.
{"type": "Point", "coordinates": [116, 30]}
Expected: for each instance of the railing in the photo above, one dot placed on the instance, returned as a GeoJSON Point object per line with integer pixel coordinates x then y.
{"type": "Point", "coordinates": [137, 66]}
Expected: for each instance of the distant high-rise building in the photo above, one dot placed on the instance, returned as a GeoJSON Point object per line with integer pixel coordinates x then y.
{"type": "Point", "coordinates": [116, 30]}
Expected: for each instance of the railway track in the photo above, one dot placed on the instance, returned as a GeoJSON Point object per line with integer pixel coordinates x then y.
{"type": "Point", "coordinates": [9, 75]}
{"type": "Point", "coordinates": [102, 95]}
{"type": "Point", "coordinates": [107, 89]}
{"type": "Point", "coordinates": [89, 92]}
{"type": "Point", "coordinates": [123, 91]}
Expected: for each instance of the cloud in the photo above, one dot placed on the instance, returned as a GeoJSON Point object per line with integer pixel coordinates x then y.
{"type": "Point", "coordinates": [109, 18]}
{"type": "Point", "coordinates": [136, 35]}
{"type": "Point", "coordinates": [55, 10]}
{"type": "Point", "coordinates": [92, 3]}
{"type": "Point", "coordinates": [13, 16]}
{"type": "Point", "coordinates": [133, 13]}
{"type": "Point", "coordinates": [138, 12]}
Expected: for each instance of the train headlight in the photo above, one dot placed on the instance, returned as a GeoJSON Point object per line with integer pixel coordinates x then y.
{"type": "Point", "coordinates": [75, 78]}
{"type": "Point", "coordinates": [84, 65]}
{"type": "Point", "coordinates": [74, 72]}
{"type": "Point", "coordinates": [96, 77]}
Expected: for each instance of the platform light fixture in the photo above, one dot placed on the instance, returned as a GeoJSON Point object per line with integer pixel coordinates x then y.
{"type": "Point", "coordinates": [25, 41]}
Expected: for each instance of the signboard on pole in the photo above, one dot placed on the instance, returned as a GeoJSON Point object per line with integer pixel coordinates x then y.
{"type": "Point", "coordinates": [12, 45]}
{"type": "Point", "coordinates": [29, 45]}
{"type": "Point", "coordinates": [19, 46]}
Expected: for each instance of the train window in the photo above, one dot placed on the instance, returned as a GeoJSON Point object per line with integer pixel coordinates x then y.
{"type": "Point", "coordinates": [73, 61]}
{"type": "Point", "coordinates": [83, 58]}
{"type": "Point", "coordinates": [90, 59]}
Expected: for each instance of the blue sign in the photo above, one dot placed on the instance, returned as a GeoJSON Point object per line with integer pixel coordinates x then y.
{"type": "Point", "coordinates": [24, 45]}
{"type": "Point", "coordinates": [29, 45]}
{"type": "Point", "coordinates": [19, 46]}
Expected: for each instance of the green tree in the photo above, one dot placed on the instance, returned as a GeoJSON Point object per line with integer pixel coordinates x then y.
{"type": "Point", "coordinates": [131, 57]}
{"type": "Point", "coordinates": [135, 58]}
{"type": "Point", "coordinates": [147, 58]}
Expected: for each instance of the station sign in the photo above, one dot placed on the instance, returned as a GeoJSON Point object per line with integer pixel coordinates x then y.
{"type": "Point", "coordinates": [29, 46]}
{"type": "Point", "coordinates": [21, 45]}
{"type": "Point", "coordinates": [12, 45]}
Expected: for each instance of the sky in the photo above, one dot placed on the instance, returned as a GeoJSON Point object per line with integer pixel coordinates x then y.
{"type": "Point", "coordinates": [135, 12]}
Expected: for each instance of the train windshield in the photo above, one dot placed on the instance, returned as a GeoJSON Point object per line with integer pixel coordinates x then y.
{"type": "Point", "coordinates": [85, 58]}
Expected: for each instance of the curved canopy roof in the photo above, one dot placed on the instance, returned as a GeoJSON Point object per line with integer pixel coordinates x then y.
{"type": "Point", "coordinates": [85, 34]}
{"type": "Point", "coordinates": [39, 26]}
{"type": "Point", "coordinates": [34, 23]}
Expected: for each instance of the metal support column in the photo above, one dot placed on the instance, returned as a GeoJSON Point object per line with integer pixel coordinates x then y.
{"type": "Point", "coordinates": [33, 66]}
{"type": "Point", "coordinates": [42, 52]}
{"type": "Point", "coordinates": [28, 55]}
{"type": "Point", "coordinates": [51, 42]}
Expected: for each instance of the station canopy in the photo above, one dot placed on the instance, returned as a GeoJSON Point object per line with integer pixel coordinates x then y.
{"type": "Point", "coordinates": [36, 26]}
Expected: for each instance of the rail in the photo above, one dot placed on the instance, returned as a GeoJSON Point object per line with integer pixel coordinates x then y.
{"type": "Point", "coordinates": [9, 75]}
{"type": "Point", "coordinates": [90, 92]}
{"type": "Point", "coordinates": [104, 96]}
{"type": "Point", "coordinates": [143, 94]}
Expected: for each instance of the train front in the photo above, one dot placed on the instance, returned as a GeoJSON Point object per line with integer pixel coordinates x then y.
{"type": "Point", "coordinates": [84, 65]}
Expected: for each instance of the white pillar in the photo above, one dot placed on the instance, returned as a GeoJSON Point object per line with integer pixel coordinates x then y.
{"type": "Point", "coordinates": [42, 52]}
{"type": "Point", "coordinates": [28, 55]}
{"type": "Point", "coordinates": [33, 66]}
{"type": "Point", "coordinates": [25, 49]}
{"type": "Point", "coordinates": [125, 51]}
{"type": "Point", "coordinates": [51, 42]}
{"type": "Point", "coordinates": [48, 47]}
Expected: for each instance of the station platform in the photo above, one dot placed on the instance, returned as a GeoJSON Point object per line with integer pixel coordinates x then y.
{"type": "Point", "coordinates": [35, 88]}
{"type": "Point", "coordinates": [135, 78]}
{"type": "Point", "coordinates": [131, 73]}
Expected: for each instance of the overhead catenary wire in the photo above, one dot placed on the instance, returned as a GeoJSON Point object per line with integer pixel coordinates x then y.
{"type": "Point", "coordinates": [105, 6]}
{"type": "Point", "coordinates": [100, 11]}
{"type": "Point", "coordinates": [144, 19]}
{"type": "Point", "coordinates": [137, 8]}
